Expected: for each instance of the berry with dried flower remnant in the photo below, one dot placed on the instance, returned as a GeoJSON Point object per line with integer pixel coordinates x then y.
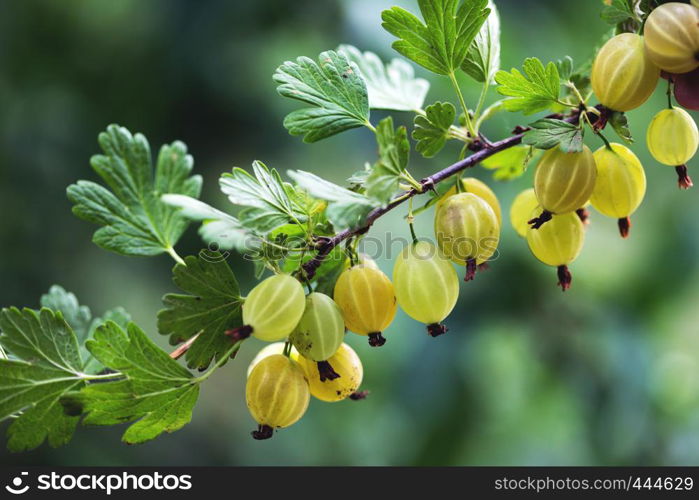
{"type": "Point", "coordinates": [623, 76]}
{"type": "Point", "coordinates": [620, 186]}
{"type": "Point", "coordinates": [427, 286]}
{"type": "Point", "coordinates": [272, 309]}
{"type": "Point", "coordinates": [672, 37]}
{"type": "Point", "coordinates": [558, 243]}
{"type": "Point", "coordinates": [673, 139]}
{"type": "Point", "coordinates": [367, 300]}
{"type": "Point", "coordinates": [467, 231]}
{"type": "Point", "coordinates": [320, 332]}
{"type": "Point", "coordinates": [563, 183]}
{"type": "Point", "coordinates": [347, 364]}
{"type": "Point", "coordinates": [277, 394]}
{"type": "Point", "coordinates": [480, 189]}
{"type": "Point", "coordinates": [521, 210]}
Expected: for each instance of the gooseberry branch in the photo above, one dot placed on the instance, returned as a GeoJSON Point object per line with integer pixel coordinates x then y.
{"type": "Point", "coordinates": [483, 150]}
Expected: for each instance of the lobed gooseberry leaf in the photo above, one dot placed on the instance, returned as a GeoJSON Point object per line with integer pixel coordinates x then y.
{"type": "Point", "coordinates": [80, 319]}
{"type": "Point", "coordinates": [210, 306]}
{"type": "Point", "coordinates": [48, 359]}
{"type": "Point", "coordinates": [483, 58]}
{"type": "Point", "coordinates": [333, 87]}
{"type": "Point", "coordinates": [537, 89]}
{"type": "Point", "coordinates": [618, 11]}
{"type": "Point", "coordinates": [133, 218]}
{"type": "Point", "coordinates": [267, 201]}
{"type": "Point", "coordinates": [548, 133]}
{"type": "Point", "coordinates": [394, 152]}
{"type": "Point", "coordinates": [346, 209]}
{"type": "Point", "coordinates": [620, 123]}
{"type": "Point", "coordinates": [152, 388]}
{"type": "Point", "coordinates": [441, 43]}
{"type": "Point", "coordinates": [46, 364]}
{"type": "Point", "coordinates": [510, 163]}
{"type": "Point", "coordinates": [432, 129]}
{"type": "Point", "coordinates": [392, 86]}
{"type": "Point", "coordinates": [219, 229]}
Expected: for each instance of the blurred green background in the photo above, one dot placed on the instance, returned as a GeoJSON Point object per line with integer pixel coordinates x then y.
{"type": "Point", "coordinates": [607, 373]}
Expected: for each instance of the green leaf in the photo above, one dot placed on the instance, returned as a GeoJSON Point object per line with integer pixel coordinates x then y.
{"type": "Point", "coordinates": [565, 68]}
{"type": "Point", "coordinates": [394, 152]}
{"type": "Point", "coordinates": [329, 271]}
{"type": "Point", "coordinates": [157, 393]}
{"type": "Point", "coordinates": [549, 133]}
{"type": "Point", "coordinates": [483, 59]}
{"type": "Point", "coordinates": [617, 12]}
{"type": "Point", "coordinates": [218, 228]}
{"type": "Point", "coordinates": [333, 87]}
{"type": "Point", "coordinates": [211, 305]}
{"type": "Point", "coordinates": [345, 208]}
{"type": "Point", "coordinates": [48, 366]}
{"type": "Point", "coordinates": [535, 90]}
{"type": "Point", "coordinates": [78, 317]}
{"type": "Point", "coordinates": [620, 124]}
{"type": "Point", "coordinates": [80, 320]}
{"type": "Point", "coordinates": [432, 130]}
{"type": "Point", "coordinates": [134, 220]}
{"type": "Point", "coordinates": [509, 163]}
{"type": "Point", "coordinates": [393, 86]}
{"type": "Point", "coordinates": [269, 202]}
{"type": "Point", "coordinates": [358, 179]}
{"type": "Point", "coordinates": [442, 42]}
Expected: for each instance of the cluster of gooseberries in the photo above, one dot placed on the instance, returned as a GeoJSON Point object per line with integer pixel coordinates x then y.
{"type": "Point", "coordinates": [308, 356]}
{"type": "Point", "coordinates": [552, 215]}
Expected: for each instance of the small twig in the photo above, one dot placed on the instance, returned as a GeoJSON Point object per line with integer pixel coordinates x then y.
{"type": "Point", "coordinates": [182, 349]}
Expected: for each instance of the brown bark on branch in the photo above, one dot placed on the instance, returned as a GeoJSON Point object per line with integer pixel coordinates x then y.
{"type": "Point", "coordinates": [487, 149]}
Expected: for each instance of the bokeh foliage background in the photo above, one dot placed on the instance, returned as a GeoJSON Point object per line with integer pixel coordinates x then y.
{"type": "Point", "coordinates": [607, 373]}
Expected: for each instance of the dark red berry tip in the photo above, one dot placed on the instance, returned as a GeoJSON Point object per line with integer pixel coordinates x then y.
{"type": "Point", "coordinates": [326, 372]}
{"type": "Point", "coordinates": [436, 329]}
{"type": "Point", "coordinates": [624, 227]}
{"type": "Point", "coordinates": [583, 215]}
{"type": "Point", "coordinates": [684, 181]}
{"type": "Point", "coordinates": [359, 395]}
{"type": "Point", "coordinates": [471, 269]}
{"type": "Point", "coordinates": [565, 279]}
{"type": "Point", "coordinates": [262, 432]}
{"type": "Point", "coordinates": [240, 333]}
{"type": "Point", "coordinates": [376, 339]}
